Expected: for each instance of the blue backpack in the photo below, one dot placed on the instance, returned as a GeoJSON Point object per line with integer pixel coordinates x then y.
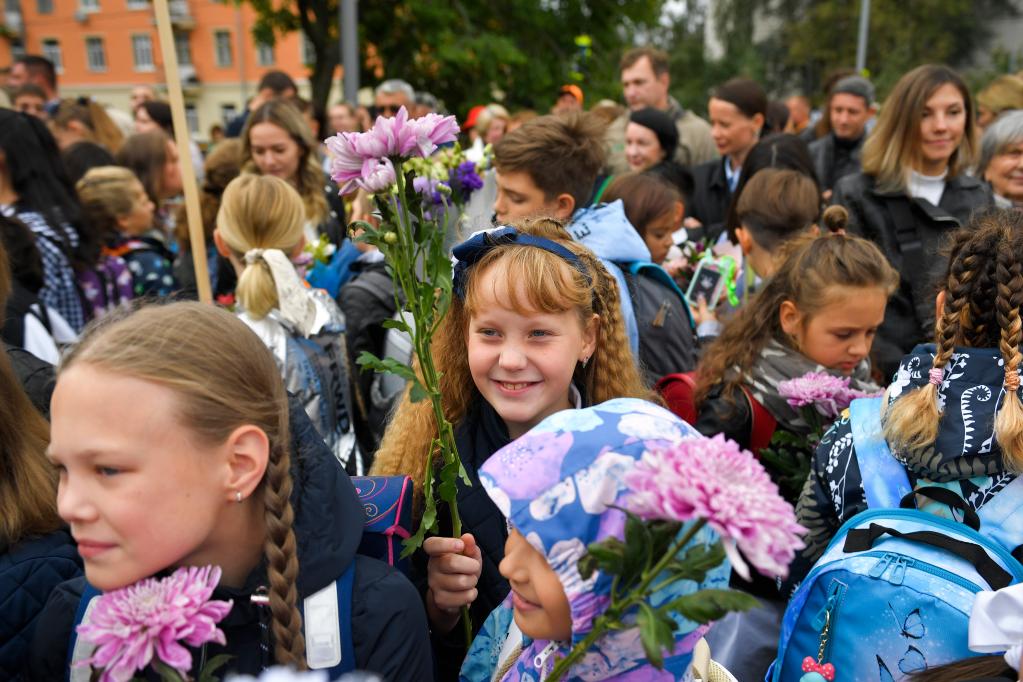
{"type": "Point", "coordinates": [893, 592]}
{"type": "Point", "coordinates": [326, 615]}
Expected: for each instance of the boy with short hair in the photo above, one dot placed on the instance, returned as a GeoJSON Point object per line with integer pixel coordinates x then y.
{"type": "Point", "coordinates": [30, 99]}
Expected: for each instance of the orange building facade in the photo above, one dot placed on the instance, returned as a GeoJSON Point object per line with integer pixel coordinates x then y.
{"type": "Point", "coordinates": [104, 48]}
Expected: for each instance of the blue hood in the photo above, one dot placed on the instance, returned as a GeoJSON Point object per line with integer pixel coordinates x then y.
{"type": "Point", "coordinates": [969, 396]}
{"type": "Point", "coordinates": [558, 485]}
{"type": "Point", "coordinates": [605, 231]}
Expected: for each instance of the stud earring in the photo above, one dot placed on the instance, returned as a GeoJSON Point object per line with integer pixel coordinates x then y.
{"type": "Point", "coordinates": [584, 361]}
{"type": "Point", "coordinates": [238, 496]}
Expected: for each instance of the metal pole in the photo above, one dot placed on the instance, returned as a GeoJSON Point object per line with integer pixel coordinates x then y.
{"type": "Point", "coordinates": [242, 76]}
{"type": "Point", "coordinates": [861, 43]}
{"type": "Point", "coordinates": [191, 187]}
{"type": "Point", "coordinates": [349, 35]}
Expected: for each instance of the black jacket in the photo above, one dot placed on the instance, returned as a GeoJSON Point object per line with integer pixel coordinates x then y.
{"type": "Point", "coordinates": [909, 318]}
{"type": "Point", "coordinates": [389, 629]}
{"type": "Point", "coordinates": [833, 162]}
{"type": "Point", "coordinates": [29, 572]}
{"type": "Point", "coordinates": [36, 376]}
{"type": "Point", "coordinates": [711, 197]}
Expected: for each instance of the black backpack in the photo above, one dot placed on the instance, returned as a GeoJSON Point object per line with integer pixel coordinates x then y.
{"type": "Point", "coordinates": [667, 337]}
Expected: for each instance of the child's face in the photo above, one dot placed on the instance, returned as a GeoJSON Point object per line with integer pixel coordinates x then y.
{"type": "Point", "coordinates": [839, 335]}
{"type": "Point", "coordinates": [523, 364]}
{"type": "Point", "coordinates": [659, 235]}
{"type": "Point", "coordinates": [139, 495]}
{"type": "Point", "coordinates": [541, 607]}
{"type": "Point", "coordinates": [140, 218]}
{"type": "Point", "coordinates": [519, 197]}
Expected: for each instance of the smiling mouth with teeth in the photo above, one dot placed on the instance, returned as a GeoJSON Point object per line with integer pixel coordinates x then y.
{"type": "Point", "coordinates": [515, 387]}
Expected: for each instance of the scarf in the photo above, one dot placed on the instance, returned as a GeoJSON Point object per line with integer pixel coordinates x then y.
{"type": "Point", "coordinates": [778, 363]}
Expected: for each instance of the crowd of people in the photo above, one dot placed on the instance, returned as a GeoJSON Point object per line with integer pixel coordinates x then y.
{"type": "Point", "coordinates": [641, 251]}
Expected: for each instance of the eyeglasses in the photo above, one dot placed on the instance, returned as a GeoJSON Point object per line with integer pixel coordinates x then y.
{"type": "Point", "coordinates": [386, 110]}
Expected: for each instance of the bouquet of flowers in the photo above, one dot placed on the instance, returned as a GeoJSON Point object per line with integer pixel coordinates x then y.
{"type": "Point", "coordinates": [820, 398]}
{"type": "Point", "coordinates": [675, 493]}
{"type": "Point", "coordinates": [151, 622]}
{"type": "Point", "coordinates": [411, 235]}
{"type": "Point", "coordinates": [447, 177]}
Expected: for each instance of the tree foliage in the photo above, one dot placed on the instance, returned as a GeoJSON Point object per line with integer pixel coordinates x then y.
{"type": "Point", "coordinates": [469, 52]}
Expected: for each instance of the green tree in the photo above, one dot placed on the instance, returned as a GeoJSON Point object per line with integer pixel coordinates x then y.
{"type": "Point", "coordinates": [468, 52]}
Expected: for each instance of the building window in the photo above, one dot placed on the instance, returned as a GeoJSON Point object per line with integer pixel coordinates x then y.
{"type": "Point", "coordinates": [182, 49]}
{"type": "Point", "coordinates": [228, 112]}
{"type": "Point", "coordinates": [95, 55]}
{"type": "Point", "coordinates": [44, 6]}
{"type": "Point", "coordinates": [138, 4]}
{"type": "Point", "coordinates": [142, 50]}
{"type": "Point", "coordinates": [88, 5]}
{"type": "Point", "coordinates": [264, 54]}
{"type": "Point", "coordinates": [308, 52]}
{"type": "Point", "coordinates": [51, 50]}
{"type": "Point", "coordinates": [222, 44]}
{"type": "Point", "coordinates": [192, 119]}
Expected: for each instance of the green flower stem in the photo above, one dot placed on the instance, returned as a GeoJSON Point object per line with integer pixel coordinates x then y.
{"type": "Point", "coordinates": [611, 619]}
{"type": "Point", "coordinates": [427, 322]}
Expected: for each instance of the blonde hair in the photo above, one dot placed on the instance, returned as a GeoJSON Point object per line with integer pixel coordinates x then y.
{"type": "Point", "coordinates": [891, 151]}
{"type": "Point", "coordinates": [223, 165]}
{"type": "Point", "coordinates": [985, 265]}
{"type": "Point", "coordinates": [105, 194]}
{"type": "Point", "coordinates": [259, 212]}
{"type": "Point", "coordinates": [220, 387]}
{"type": "Point", "coordinates": [811, 266]}
{"type": "Point", "coordinates": [1002, 94]}
{"type": "Point", "coordinates": [100, 128]}
{"type": "Point", "coordinates": [309, 180]}
{"type": "Point", "coordinates": [552, 286]}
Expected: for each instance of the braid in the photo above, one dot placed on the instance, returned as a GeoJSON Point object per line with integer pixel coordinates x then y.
{"type": "Point", "coordinates": [912, 422]}
{"type": "Point", "coordinates": [282, 560]}
{"type": "Point", "coordinates": [1009, 421]}
{"type": "Point", "coordinates": [613, 373]}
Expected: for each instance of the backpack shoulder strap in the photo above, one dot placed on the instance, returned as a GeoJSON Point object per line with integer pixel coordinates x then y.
{"type": "Point", "coordinates": [885, 481]}
{"type": "Point", "coordinates": [907, 234]}
{"type": "Point", "coordinates": [80, 650]}
{"type": "Point", "coordinates": [763, 423]}
{"type": "Point", "coordinates": [655, 271]}
{"type": "Point", "coordinates": [327, 620]}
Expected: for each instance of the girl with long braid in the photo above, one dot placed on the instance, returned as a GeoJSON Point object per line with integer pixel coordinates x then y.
{"type": "Point", "coordinates": [953, 414]}
{"type": "Point", "coordinates": [534, 328]}
{"type": "Point", "coordinates": [177, 445]}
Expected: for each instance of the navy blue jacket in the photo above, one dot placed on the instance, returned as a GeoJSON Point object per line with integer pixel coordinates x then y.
{"type": "Point", "coordinates": [29, 572]}
{"type": "Point", "coordinates": [389, 629]}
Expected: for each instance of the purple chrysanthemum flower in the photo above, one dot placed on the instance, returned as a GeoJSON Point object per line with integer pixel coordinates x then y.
{"type": "Point", "coordinates": [466, 179]}
{"type": "Point", "coordinates": [154, 617]}
{"type": "Point", "coordinates": [826, 393]}
{"type": "Point", "coordinates": [715, 480]}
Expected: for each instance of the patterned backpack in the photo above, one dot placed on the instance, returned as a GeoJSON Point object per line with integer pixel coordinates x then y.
{"type": "Point", "coordinates": [892, 593]}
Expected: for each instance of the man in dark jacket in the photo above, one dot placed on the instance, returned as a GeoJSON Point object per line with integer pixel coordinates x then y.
{"type": "Point", "coordinates": [388, 625]}
{"type": "Point", "coordinates": [837, 154]}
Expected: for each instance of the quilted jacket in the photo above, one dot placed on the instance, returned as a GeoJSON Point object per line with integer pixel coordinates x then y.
{"type": "Point", "coordinates": [29, 571]}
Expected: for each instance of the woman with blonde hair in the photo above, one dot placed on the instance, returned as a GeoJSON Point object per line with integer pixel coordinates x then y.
{"type": "Point", "coordinates": [277, 141]}
{"type": "Point", "coordinates": [85, 120]}
{"type": "Point", "coordinates": [1003, 94]}
{"type": "Point", "coordinates": [259, 230]}
{"type": "Point", "coordinates": [913, 191]}
{"type": "Point", "coordinates": [535, 327]}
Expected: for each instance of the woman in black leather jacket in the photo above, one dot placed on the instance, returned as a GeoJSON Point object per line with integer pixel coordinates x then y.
{"type": "Point", "coordinates": [912, 193]}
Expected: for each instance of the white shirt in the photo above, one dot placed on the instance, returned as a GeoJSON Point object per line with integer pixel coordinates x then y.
{"type": "Point", "coordinates": [929, 187]}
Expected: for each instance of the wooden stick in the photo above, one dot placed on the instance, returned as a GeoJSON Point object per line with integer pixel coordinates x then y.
{"type": "Point", "coordinates": [196, 233]}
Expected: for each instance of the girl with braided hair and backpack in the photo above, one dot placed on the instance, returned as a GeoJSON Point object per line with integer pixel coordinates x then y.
{"type": "Point", "coordinates": [176, 445]}
{"type": "Point", "coordinates": [534, 328]}
{"type": "Point", "coordinates": [952, 414]}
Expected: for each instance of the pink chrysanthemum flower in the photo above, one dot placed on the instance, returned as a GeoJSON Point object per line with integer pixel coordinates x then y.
{"type": "Point", "coordinates": [154, 617]}
{"type": "Point", "coordinates": [713, 479]}
{"type": "Point", "coordinates": [826, 393]}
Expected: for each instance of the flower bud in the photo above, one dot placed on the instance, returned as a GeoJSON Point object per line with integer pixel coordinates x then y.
{"type": "Point", "coordinates": [391, 237]}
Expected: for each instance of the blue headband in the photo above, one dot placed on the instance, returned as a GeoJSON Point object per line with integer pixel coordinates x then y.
{"type": "Point", "coordinates": [469, 252]}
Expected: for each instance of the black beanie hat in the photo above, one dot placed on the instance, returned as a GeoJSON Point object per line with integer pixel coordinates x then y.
{"type": "Point", "coordinates": [662, 125]}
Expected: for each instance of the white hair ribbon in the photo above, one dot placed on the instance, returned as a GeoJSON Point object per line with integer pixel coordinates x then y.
{"type": "Point", "coordinates": [293, 301]}
{"type": "Point", "coordinates": [996, 623]}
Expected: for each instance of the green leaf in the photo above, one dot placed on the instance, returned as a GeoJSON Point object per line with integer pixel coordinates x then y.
{"type": "Point", "coordinates": [608, 555]}
{"type": "Point", "coordinates": [662, 534]}
{"type": "Point", "coordinates": [212, 665]}
{"type": "Point", "coordinates": [396, 323]}
{"type": "Point", "coordinates": [655, 631]}
{"type": "Point", "coordinates": [167, 673]}
{"type": "Point", "coordinates": [707, 605]}
{"type": "Point", "coordinates": [388, 365]}
{"type": "Point", "coordinates": [418, 392]}
{"type": "Point", "coordinates": [637, 550]}
{"type": "Point", "coordinates": [697, 561]}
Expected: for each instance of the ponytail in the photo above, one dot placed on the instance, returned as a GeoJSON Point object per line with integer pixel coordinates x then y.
{"type": "Point", "coordinates": [834, 219]}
